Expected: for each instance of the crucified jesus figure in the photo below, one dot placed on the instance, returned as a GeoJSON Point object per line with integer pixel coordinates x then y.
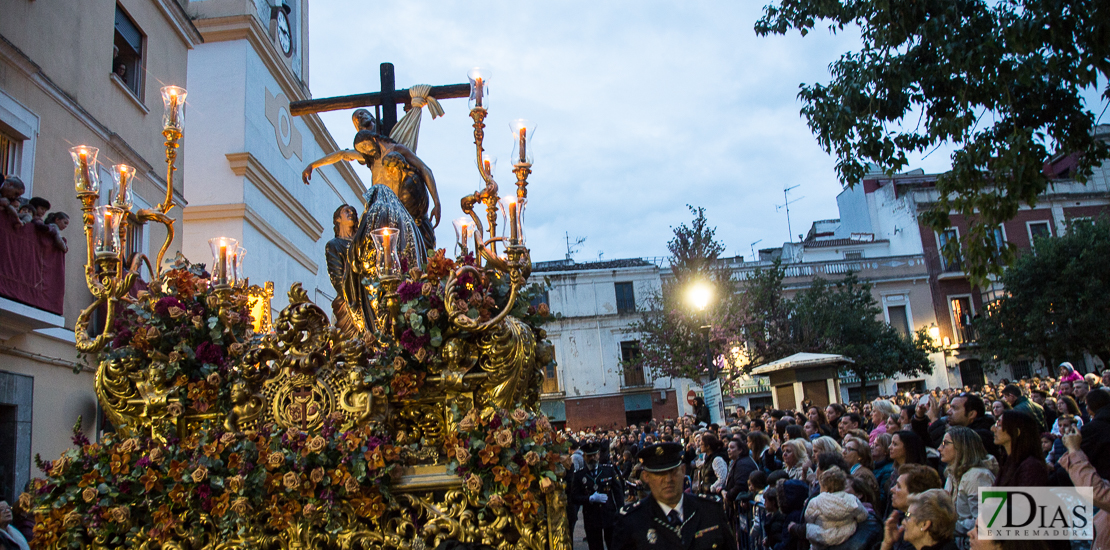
{"type": "Point", "coordinates": [370, 149]}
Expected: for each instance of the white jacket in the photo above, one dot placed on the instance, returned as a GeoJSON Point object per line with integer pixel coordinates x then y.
{"type": "Point", "coordinates": [832, 517]}
{"type": "Point", "coordinates": [966, 496]}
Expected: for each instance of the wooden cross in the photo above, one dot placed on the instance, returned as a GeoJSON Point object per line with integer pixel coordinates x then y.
{"type": "Point", "coordinates": [388, 99]}
{"type": "Point", "coordinates": [304, 391]}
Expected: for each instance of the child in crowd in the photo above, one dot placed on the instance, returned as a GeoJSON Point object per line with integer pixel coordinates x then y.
{"type": "Point", "coordinates": [10, 191]}
{"type": "Point", "coordinates": [25, 212]}
{"type": "Point", "coordinates": [39, 208]}
{"type": "Point", "coordinates": [832, 516]}
{"type": "Point", "coordinates": [775, 520]}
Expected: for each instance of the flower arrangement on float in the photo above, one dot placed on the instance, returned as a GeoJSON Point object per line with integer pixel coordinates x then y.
{"type": "Point", "coordinates": [507, 458]}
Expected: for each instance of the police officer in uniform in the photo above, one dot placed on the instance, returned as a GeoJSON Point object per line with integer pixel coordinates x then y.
{"type": "Point", "coordinates": [598, 488]}
{"type": "Point", "coordinates": [668, 518]}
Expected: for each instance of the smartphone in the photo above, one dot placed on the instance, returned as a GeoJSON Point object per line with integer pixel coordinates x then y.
{"type": "Point", "coordinates": [924, 401]}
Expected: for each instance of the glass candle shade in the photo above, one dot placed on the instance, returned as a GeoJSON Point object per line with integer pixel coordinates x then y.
{"type": "Point", "coordinates": [464, 231]}
{"type": "Point", "coordinates": [489, 164]}
{"type": "Point", "coordinates": [479, 88]}
{"type": "Point", "coordinates": [173, 98]}
{"type": "Point", "coordinates": [106, 230]}
{"type": "Point", "coordinates": [124, 176]}
{"type": "Point", "coordinates": [385, 246]}
{"type": "Point", "coordinates": [235, 264]}
{"type": "Point", "coordinates": [223, 250]}
{"type": "Point", "coordinates": [522, 140]}
{"type": "Point", "coordinates": [85, 178]}
{"type": "Point", "coordinates": [512, 218]}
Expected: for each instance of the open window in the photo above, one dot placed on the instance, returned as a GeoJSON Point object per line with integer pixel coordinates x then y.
{"type": "Point", "coordinates": [128, 49]}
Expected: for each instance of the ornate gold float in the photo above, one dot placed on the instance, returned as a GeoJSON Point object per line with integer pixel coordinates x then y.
{"type": "Point", "coordinates": [413, 423]}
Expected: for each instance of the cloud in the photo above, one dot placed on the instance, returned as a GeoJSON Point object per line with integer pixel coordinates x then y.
{"type": "Point", "coordinates": [642, 108]}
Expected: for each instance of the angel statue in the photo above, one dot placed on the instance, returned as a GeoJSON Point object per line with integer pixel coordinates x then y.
{"type": "Point", "coordinates": [414, 186]}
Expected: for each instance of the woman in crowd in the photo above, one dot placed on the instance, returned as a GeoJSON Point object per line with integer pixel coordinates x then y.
{"type": "Point", "coordinates": [812, 430]}
{"type": "Point", "coordinates": [907, 447]}
{"type": "Point", "coordinates": [817, 416]}
{"type": "Point", "coordinates": [999, 407]}
{"type": "Point", "coordinates": [714, 469]}
{"type": "Point", "coordinates": [927, 524]}
{"type": "Point", "coordinates": [795, 459]}
{"type": "Point", "coordinates": [1066, 405]}
{"type": "Point", "coordinates": [880, 455]}
{"type": "Point", "coordinates": [1019, 435]}
{"type": "Point", "coordinates": [969, 467]}
{"type": "Point", "coordinates": [826, 444]}
{"type": "Point", "coordinates": [881, 411]}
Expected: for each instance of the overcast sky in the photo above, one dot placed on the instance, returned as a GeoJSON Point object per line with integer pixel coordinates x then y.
{"type": "Point", "coordinates": [641, 108]}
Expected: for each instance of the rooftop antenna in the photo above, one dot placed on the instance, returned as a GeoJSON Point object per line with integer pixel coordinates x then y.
{"type": "Point", "coordinates": [754, 257]}
{"type": "Point", "coordinates": [789, 230]}
{"type": "Point", "coordinates": [572, 248]}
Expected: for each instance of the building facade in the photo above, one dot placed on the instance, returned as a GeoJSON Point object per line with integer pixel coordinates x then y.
{"type": "Point", "coordinates": [72, 73]}
{"type": "Point", "coordinates": [244, 178]}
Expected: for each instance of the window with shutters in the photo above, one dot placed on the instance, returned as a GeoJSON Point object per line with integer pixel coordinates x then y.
{"type": "Point", "coordinates": [626, 298]}
{"type": "Point", "coordinates": [129, 46]}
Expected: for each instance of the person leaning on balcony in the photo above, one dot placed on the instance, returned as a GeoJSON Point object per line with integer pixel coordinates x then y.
{"type": "Point", "coordinates": [56, 222]}
{"type": "Point", "coordinates": [10, 191]}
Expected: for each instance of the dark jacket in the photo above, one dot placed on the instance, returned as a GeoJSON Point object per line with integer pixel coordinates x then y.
{"type": "Point", "coordinates": [773, 528]}
{"type": "Point", "coordinates": [643, 526]}
{"type": "Point", "coordinates": [1096, 441]}
{"type": "Point", "coordinates": [738, 473]}
{"type": "Point", "coordinates": [792, 502]}
{"type": "Point", "coordinates": [1030, 472]}
{"type": "Point", "coordinates": [1027, 406]}
{"type": "Point", "coordinates": [602, 479]}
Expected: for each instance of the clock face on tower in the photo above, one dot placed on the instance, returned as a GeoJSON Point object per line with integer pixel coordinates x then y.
{"type": "Point", "coordinates": [284, 36]}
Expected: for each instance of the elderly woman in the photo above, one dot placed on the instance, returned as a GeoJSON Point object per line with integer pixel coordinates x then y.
{"type": "Point", "coordinates": [927, 524]}
{"type": "Point", "coordinates": [881, 411]}
{"type": "Point", "coordinates": [795, 459]}
{"type": "Point", "coordinates": [969, 467]}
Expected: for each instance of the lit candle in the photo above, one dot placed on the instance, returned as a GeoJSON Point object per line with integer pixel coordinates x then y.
{"type": "Point", "coordinates": [86, 175]}
{"type": "Point", "coordinates": [387, 250]}
{"type": "Point", "coordinates": [221, 273]}
{"type": "Point", "coordinates": [486, 162]}
{"type": "Point", "coordinates": [523, 158]}
{"type": "Point", "coordinates": [478, 93]}
{"type": "Point", "coordinates": [173, 110]}
{"type": "Point", "coordinates": [108, 225]}
{"type": "Point", "coordinates": [514, 235]}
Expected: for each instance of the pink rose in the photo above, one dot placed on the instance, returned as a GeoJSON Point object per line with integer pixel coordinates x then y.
{"type": "Point", "coordinates": [462, 455]}
{"type": "Point", "coordinates": [504, 438]}
{"type": "Point", "coordinates": [520, 415]}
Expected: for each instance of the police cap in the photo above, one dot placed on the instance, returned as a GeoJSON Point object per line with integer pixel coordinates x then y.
{"type": "Point", "coordinates": [661, 457]}
{"type": "Point", "coordinates": [591, 448]}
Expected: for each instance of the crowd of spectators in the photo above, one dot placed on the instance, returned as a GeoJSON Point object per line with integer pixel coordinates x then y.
{"type": "Point", "coordinates": [896, 473]}
{"type": "Point", "coordinates": [21, 211]}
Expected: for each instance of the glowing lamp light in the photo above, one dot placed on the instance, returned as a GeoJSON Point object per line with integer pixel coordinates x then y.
{"type": "Point", "coordinates": [699, 295]}
{"type": "Point", "coordinates": [934, 333]}
{"type": "Point", "coordinates": [479, 88]}
{"type": "Point", "coordinates": [85, 178]}
{"type": "Point", "coordinates": [173, 99]}
{"type": "Point", "coordinates": [489, 164]}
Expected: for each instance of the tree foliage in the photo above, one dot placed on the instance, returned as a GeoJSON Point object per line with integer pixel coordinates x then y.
{"type": "Point", "coordinates": [1000, 81]}
{"type": "Point", "coordinates": [1057, 304]}
{"type": "Point", "coordinates": [672, 340]}
{"type": "Point", "coordinates": [839, 317]}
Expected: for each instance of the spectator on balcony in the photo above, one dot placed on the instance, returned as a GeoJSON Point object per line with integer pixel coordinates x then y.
{"type": "Point", "coordinates": [10, 190]}
{"type": "Point", "coordinates": [39, 208]}
{"type": "Point", "coordinates": [56, 222]}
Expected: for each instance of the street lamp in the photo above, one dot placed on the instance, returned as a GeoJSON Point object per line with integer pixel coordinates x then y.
{"type": "Point", "coordinates": [699, 294]}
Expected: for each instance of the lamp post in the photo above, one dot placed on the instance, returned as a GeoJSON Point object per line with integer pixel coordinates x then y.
{"type": "Point", "coordinates": [699, 295]}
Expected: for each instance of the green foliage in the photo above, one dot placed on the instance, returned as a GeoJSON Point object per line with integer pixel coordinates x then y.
{"type": "Point", "coordinates": [673, 342]}
{"type": "Point", "coordinates": [1001, 82]}
{"type": "Point", "coordinates": [1057, 304]}
{"type": "Point", "coordinates": [840, 318]}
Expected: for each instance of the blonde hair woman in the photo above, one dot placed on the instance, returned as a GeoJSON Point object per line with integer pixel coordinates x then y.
{"type": "Point", "coordinates": [795, 459]}
{"type": "Point", "coordinates": [881, 411]}
{"type": "Point", "coordinates": [969, 467]}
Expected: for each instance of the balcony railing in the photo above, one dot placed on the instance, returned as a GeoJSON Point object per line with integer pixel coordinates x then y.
{"type": "Point", "coordinates": [32, 269]}
{"type": "Point", "coordinates": [865, 268]}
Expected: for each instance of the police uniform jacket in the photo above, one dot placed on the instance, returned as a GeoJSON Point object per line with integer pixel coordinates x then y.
{"type": "Point", "coordinates": [642, 526]}
{"type": "Point", "coordinates": [602, 479]}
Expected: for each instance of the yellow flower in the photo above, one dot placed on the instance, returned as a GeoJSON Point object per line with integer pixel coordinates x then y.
{"type": "Point", "coordinates": [25, 502]}
{"type": "Point", "coordinates": [290, 480]}
{"type": "Point", "coordinates": [532, 458]}
{"type": "Point", "coordinates": [546, 485]}
{"type": "Point", "coordinates": [200, 474]}
{"type": "Point", "coordinates": [241, 506]}
{"type": "Point", "coordinates": [175, 409]}
{"type": "Point", "coordinates": [176, 312]}
{"type": "Point", "coordinates": [317, 475]}
{"type": "Point", "coordinates": [474, 483]}
{"type": "Point", "coordinates": [351, 486]}
{"type": "Point", "coordinates": [120, 514]}
{"type": "Point", "coordinates": [504, 438]}
{"type": "Point", "coordinates": [462, 454]}
{"type": "Point", "coordinates": [316, 444]}
{"type": "Point", "coordinates": [520, 415]}
{"type": "Point", "coordinates": [214, 379]}
{"type": "Point", "coordinates": [234, 484]}
{"type": "Point", "coordinates": [274, 460]}
{"type": "Point", "coordinates": [129, 446]}
{"type": "Point", "coordinates": [89, 494]}
{"type": "Point", "coordinates": [156, 455]}
{"type": "Point", "coordinates": [73, 520]}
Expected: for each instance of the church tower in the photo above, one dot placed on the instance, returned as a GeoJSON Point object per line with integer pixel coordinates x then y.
{"type": "Point", "coordinates": [245, 153]}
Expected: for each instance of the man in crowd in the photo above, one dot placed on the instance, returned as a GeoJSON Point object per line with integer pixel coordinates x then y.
{"type": "Point", "coordinates": [1012, 394]}
{"type": "Point", "coordinates": [969, 411]}
{"type": "Point", "coordinates": [599, 490]}
{"type": "Point", "coordinates": [670, 518]}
